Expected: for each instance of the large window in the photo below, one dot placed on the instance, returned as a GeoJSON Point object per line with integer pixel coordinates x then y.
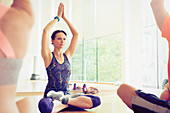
{"type": "Point", "coordinates": [155, 50]}
{"type": "Point", "coordinates": [109, 58]}
{"type": "Point", "coordinates": [155, 57]}
{"type": "Point", "coordinates": [89, 62]}
{"type": "Point", "coordinates": [150, 56]}
{"type": "Point", "coordinates": [98, 60]}
{"type": "Point", "coordinates": [77, 63]}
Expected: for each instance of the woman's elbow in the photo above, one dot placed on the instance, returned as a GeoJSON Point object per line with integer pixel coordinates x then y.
{"type": "Point", "coordinates": [46, 31]}
{"type": "Point", "coordinates": [76, 34]}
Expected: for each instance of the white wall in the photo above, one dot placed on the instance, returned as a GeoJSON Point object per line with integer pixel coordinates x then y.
{"type": "Point", "coordinates": [109, 17]}
{"type": "Point", "coordinates": [97, 18]}
{"type": "Point", "coordinates": [83, 16]}
{"type": "Point", "coordinates": [132, 42]}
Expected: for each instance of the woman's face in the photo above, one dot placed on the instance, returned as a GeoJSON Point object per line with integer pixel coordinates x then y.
{"type": "Point", "coordinates": [60, 40]}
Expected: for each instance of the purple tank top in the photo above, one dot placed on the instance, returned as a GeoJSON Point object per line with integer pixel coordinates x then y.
{"type": "Point", "coordinates": [58, 75]}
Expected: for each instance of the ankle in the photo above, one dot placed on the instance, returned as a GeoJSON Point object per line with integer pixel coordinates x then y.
{"type": "Point", "coordinates": [64, 100]}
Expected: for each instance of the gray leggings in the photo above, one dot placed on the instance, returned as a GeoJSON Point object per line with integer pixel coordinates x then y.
{"type": "Point", "coordinates": [9, 70]}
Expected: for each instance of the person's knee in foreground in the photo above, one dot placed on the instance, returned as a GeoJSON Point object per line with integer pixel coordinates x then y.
{"type": "Point", "coordinates": [141, 102]}
{"type": "Point", "coordinates": [125, 92]}
{"type": "Point", "coordinates": [13, 45]}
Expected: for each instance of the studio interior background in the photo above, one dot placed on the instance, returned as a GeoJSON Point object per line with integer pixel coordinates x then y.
{"type": "Point", "coordinates": [118, 42]}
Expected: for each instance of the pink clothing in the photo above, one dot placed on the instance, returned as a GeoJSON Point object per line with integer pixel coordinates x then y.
{"type": "Point", "coordinates": [166, 34]}
{"type": "Point", "coordinates": [5, 45]}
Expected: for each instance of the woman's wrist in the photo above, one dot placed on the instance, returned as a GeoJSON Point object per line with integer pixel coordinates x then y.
{"type": "Point", "coordinates": [57, 17]}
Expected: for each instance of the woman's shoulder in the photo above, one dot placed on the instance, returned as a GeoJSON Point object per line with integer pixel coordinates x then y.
{"type": "Point", "coordinates": [66, 57]}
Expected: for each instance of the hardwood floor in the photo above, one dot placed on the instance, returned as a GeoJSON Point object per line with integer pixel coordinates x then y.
{"type": "Point", "coordinates": [111, 103]}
